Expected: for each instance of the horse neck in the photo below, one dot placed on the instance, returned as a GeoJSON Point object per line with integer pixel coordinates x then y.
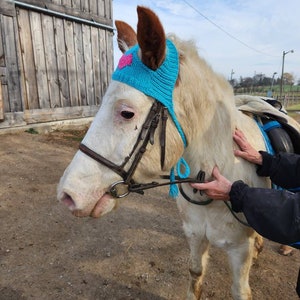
{"type": "Point", "coordinates": [206, 110]}
{"type": "Point", "coordinates": [210, 130]}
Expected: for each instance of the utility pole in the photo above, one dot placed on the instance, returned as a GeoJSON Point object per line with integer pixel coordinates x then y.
{"type": "Point", "coordinates": [231, 74]}
{"type": "Point", "coordinates": [284, 53]}
{"type": "Point", "coordinates": [270, 94]}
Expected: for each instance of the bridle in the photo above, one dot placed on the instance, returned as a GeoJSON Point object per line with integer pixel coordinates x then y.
{"type": "Point", "coordinates": [122, 188]}
{"type": "Point", "coordinates": [146, 136]}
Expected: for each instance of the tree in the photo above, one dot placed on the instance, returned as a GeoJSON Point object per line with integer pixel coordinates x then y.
{"type": "Point", "coordinates": [246, 82]}
{"type": "Point", "coordinates": [288, 79]}
{"type": "Point", "coordinates": [258, 79]}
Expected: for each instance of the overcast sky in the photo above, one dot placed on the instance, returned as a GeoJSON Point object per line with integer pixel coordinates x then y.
{"type": "Point", "coordinates": [246, 36]}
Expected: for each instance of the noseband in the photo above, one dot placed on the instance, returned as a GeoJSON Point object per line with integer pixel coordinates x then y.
{"type": "Point", "coordinates": [122, 188]}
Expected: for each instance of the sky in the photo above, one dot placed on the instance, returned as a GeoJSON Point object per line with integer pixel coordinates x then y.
{"type": "Point", "coordinates": [238, 38]}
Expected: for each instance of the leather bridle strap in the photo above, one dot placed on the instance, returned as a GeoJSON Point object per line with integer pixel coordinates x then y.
{"type": "Point", "coordinates": [162, 137]}
{"type": "Point", "coordinates": [146, 135]}
{"type": "Point", "coordinates": [99, 158]}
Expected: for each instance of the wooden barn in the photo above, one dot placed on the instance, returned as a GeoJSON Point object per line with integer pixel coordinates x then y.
{"type": "Point", "coordinates": [56, 59]}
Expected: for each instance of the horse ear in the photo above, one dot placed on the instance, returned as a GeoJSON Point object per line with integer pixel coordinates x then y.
{"type": "Point", "coordinates": [151, 38]}
{"type": "Point", "coordinates": [126, 36]}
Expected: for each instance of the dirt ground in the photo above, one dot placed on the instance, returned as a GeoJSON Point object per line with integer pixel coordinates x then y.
{"type": "Point", "coordinates": [137, 252]}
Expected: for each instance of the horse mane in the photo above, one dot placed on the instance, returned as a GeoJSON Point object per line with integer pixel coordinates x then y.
{"type": "Point", "coordinates": [199, 89]}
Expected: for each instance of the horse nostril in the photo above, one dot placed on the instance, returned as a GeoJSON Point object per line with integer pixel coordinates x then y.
{"type": "Point", "coordinates": [68, 201]}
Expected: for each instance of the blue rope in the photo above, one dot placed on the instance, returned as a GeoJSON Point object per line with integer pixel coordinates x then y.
{"type": "Point", "coordinates": [267, 141]}
{"type": "Point", "coordinates": [181, 165]}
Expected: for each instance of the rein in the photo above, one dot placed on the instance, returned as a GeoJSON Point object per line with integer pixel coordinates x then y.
{"type": "Point", "coordinates": [122, 188]}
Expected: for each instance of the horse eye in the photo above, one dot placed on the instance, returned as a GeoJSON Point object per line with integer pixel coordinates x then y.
{"type": "Point", "coordinates": [127, 114]}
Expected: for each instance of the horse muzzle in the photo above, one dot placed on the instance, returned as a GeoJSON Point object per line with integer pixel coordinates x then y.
{"type": "Point", "coordinates": [104, 205]}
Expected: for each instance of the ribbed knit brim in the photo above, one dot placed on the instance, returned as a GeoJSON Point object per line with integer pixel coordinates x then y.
{"type": "Point", "coordinates": [158, 84]}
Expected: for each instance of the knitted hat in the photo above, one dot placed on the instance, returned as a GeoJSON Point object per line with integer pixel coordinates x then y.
{"type": "Point", "coordinates": [158, 84]}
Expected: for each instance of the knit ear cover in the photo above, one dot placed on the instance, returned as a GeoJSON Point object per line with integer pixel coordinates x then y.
{"type": "Point", "coordinates": [158, 84]}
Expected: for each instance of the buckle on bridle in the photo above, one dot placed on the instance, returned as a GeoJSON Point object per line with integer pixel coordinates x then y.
{"type": "Point", "coordinates": [119, 189]}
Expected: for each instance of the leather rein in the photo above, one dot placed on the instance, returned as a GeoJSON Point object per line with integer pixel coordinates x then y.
{"type": "Point", "coordinates": [122, 188]}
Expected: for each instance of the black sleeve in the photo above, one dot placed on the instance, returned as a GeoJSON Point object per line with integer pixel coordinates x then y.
{"type": "Point", "coordinates": [275, 214]}
{"type": "Point", "coordinates": [283, 169]}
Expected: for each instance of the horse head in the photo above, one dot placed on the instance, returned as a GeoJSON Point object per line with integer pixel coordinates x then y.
{"type": "Point", "coordinates": [147, 74]}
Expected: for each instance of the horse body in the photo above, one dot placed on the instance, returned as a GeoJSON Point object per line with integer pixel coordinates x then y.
{"type": "Point", "coordinates": [213, 223]}
{"type": "Point", "coordinates": [205, 106]}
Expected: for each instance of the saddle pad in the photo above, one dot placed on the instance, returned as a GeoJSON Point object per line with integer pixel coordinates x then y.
{"type": "Point", "coordinates": [258, 107]}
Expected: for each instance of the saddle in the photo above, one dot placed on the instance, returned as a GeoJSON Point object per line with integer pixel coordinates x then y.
{"type": "Point", "coordinates": [280, 130]}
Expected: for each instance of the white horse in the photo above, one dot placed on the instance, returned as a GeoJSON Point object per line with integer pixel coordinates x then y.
{"type": "Point", "coordinates": [202, 118]}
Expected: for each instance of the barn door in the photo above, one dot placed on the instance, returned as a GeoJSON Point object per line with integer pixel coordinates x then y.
{"type": "Point", "coordinates": [66, 62]}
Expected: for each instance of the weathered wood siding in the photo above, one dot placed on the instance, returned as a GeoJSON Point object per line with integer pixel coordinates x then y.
{"type": "Point", "coordinates": [9, 67]}
{"type": "Point", "coordinates": [54, 67]}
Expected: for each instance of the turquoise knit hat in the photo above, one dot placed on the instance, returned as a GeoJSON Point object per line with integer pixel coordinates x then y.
{"type": "Point", "coordinates": [158, 84]}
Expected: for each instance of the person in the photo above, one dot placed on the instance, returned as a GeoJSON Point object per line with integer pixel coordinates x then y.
{"type": "Point", "coordinates": [273, 213]}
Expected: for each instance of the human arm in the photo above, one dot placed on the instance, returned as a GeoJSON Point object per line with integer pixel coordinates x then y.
{"type": "Point", "coordinates": [282, 168]}
{"type": "Point", "coordinates": [275, 214]}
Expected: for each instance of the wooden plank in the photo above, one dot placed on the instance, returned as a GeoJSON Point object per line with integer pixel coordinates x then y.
{"type": "Point", "coordinates": [58, 2]}
{"type": "Point", "coordinates": [1, 104]}
{"type": "Point", "coordinates": [88, 68]}
{"type": "Point", "coordinates": [61, 62]}
{"type": "Point", "coordinates": [37, 116]}
{"type": "Point", "coordinates": [96, 64]}
{"type": "Point", "coordinates": [109, 55]}
{"type": "Point", "coordinates": [79, 9]}
{"type": "Point", "coordinates": [39, 60]}
{"type": "Point", "coordinates": [71, 62]}
{"type": "Point", "coordinates": [66, 3]}
{"type": "Point", "coordinates": [12, 119]}
{"type": "Point", "coordinates": [56, 114]}
{"type": "Point", "coordinates": [50, 60]}
{"type": "Point", "coordinates": [20, 65]}
{"type": "Point", "coordinates": [85, 6]}
{"type": "Point", "coordinates": [30, 94]}
{"type": "Point", "coordinates": [3, 75]}
{"type": "Point", "coordinates": [6, 107]}
{"type": "Point", "coordinates": [76, 4]}
{"type": "Point", "coordinates": [2, 55]}
{"type": "Point", "coordinates": [93, 7]}
{"type": "Point", "coordinates": [103, 61]}
{"type": "Point", "coordinates": [81, 85]}
{"type": "Point", "coordinates": [108, 9]}
{"type": "Point", "coordinates": [7, 8]}
{"type": "Point", "coordinates": [11, 62]}
{"type": "Point", "coordinates": [101, 8]}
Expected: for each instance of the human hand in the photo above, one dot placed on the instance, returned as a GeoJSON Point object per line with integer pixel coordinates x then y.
{"type": "Point", "coordinates": [218, 189]}
{"type": "Point", "coordinates": [246, 151]}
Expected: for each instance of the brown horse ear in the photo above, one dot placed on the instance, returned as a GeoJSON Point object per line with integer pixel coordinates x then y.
{"type": "Point", "coordinates": [151, 38]}
{"type": "Point", "coordinates": [126, 36]}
